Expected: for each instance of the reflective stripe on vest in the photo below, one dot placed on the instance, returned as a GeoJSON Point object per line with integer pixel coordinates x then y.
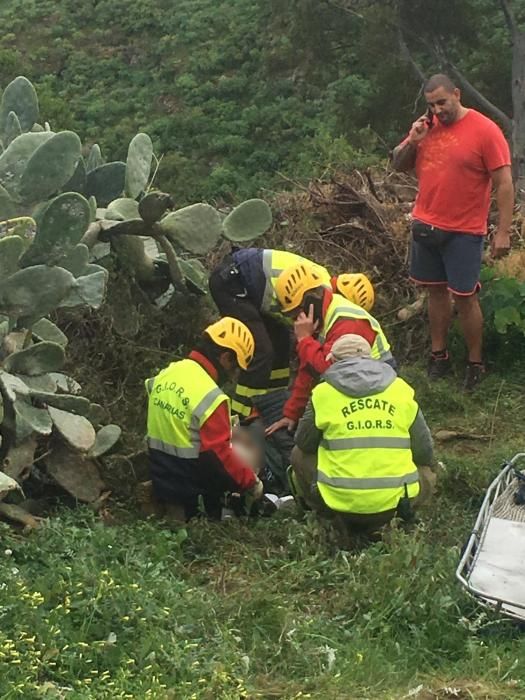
{"type": "Point", "coordinates": [358, 443]}
{"type": "Point", "coordinates": [274, 262]}
{"type": "Point", "coordinates": [181, 398]}
{"type": "Point", "coordinates": [365, 457]}
{"type": "Point", "coordinates": [184, 452]}
{"type": "Point", "coordinates": [340, 308]}
{"type": "Point", "coordinates": [385, 482]}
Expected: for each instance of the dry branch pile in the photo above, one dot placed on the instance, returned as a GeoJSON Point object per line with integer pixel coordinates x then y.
{"type": "Point", "coordinates": [354, 222]}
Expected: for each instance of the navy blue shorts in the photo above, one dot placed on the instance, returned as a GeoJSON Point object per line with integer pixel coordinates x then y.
{"type": "Point", "coordinates": [445, 257]}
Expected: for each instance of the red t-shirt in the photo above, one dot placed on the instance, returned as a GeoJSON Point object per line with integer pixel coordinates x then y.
{"type": "Point", "coordinates": [453, 166]}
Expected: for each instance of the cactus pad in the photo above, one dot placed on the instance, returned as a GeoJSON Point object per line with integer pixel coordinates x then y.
{"type": "Point", "coordinates": [77, 183]}
{"type": "Point", "coordinates": [106, 182]}
{"type": "Point", "coordinates": [106, 439]}
{"type": "Point", "coordinates": [29, 419]}
{"type": "Point", "coordinates": [247, 221]}
{"type": "Point", "coordinates": [78, 405]}
{"type": "Point", "coordinates": [15, 158]}
{"type": "Point", "coordinates": [75, 473]}
{"type": "Point", "coordinates": [196, 228]}
{"type": "Point", "coordinates": [195, 275]}
{"type": "Point", "coordinates": [7, 206]}
{"type": "Point", "coordinates": [77, 431]}
{"type": "Point", "coordinates": [65, 384]}
{"type": "Point", "coordinates": [61, 228]}
{"type": "Point", "coordinates": [138, 165]}
{"type": "Point", "coordinates": [132, 256]}
{"type": "Point", "coordinates": [46, 330]}
{"type": "Point", "coordinates": [76, 261]}
{"type": "Point", "coordinates": [11, 386]}
{"type": "Point", "coordinates": [19, 97]}
{"type": "Point", "coordinates": [50, 167]}
{"type": "Point", "coordinates": [11, 248]}
{"type": "Point", "coordinates": [94, 159]}
{"type": "Point", "coordinates": [89, 289]}
{"type": "Point", "coordinates": [154, 205]}
{"type": "Point", "coordinates": [12, 129]}
{"type": "Point", "coordinates": [36, 359]}
{"type": "Point", "coordinates": [122, 209]}
{"type": "Point", "coordinates": [34, 292]}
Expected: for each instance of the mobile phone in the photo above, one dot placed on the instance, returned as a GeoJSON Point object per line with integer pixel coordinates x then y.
{"type": "Point", "coordinates": [430, 117]}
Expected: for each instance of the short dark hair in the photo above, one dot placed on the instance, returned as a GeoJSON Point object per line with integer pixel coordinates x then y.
{"type": "Point", "coordinates": [207, 347]}
{"type": "Point", "coordinates": [439, 80]}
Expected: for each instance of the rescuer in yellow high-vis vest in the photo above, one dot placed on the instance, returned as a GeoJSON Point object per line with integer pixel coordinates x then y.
{"type": "Point", "coordinates": [243, 286]}
{"type": "Point", "coordinates": [321, 316]}
{"type": "Point", "coordinates": [189, 423]}
{"type": "Point", "coordinates": [362, 440]}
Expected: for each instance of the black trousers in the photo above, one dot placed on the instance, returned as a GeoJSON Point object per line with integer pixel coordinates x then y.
{"type": "Point", "coordinates": [269, 369]}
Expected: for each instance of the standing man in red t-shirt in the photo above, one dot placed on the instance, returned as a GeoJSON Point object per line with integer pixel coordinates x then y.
{"type": "Point", "coordinates": [458, 154]}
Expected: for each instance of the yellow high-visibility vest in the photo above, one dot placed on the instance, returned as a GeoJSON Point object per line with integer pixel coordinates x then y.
{"type": "Point", "coordinates": [340, 308]}
{"type": "Point", "coordinates": [274, 262]}
{"type": "Point", "coordinates": [364, 460]}
{"type": "Point", "coordinates": [181, 398]}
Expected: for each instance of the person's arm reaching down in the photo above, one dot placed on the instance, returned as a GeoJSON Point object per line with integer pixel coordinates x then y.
{"type": "Point", "coordinates": [215, 436]}
{"type": "Point", "coordinates": [421, 442]}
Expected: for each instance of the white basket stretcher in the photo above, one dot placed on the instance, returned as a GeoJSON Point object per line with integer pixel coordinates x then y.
{"type": "Point", "coordinates": [492, 566]}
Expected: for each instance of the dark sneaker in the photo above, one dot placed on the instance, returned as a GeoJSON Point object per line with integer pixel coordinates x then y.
{"type": "Point", "coordinates": [438, 367]}
{"type": "Point", "coordinates": [473, 375]}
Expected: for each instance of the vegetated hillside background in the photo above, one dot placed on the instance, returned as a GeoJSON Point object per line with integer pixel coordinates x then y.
{"type": "Point", "coordinates": [234, 91]}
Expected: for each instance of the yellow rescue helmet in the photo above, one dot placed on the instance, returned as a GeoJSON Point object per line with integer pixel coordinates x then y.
{"type": "Point", "coordinates": [235, 335]}
{"type": "Point", "coordinates": [357, 288]}
{"type": "Point", "coordinates": [295, 281]}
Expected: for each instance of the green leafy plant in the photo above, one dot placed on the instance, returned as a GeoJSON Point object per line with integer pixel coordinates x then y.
{"type": "Point", "coordinates": [503, 302]}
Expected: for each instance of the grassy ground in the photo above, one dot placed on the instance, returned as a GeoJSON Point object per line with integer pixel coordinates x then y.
{"type": "Point", "coordinates": [268, 608]}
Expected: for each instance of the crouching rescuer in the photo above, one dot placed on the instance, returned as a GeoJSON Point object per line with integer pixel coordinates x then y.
{"type": "Point", "coordinates": [189, 424]}
{"type": "Point", "coordinates": [363, 448]}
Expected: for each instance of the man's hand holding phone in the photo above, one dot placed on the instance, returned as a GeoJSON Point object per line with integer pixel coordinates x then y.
{"type": "Point", "coordinates": [419, 130]}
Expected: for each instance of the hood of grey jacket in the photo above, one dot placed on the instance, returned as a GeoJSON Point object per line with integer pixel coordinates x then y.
{"type": "Point", "coordinates": [358, 376]}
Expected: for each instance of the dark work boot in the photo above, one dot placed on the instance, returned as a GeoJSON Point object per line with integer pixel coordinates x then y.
{"type": "Point", "coordinates": [473, 375]}
{"type": "Point", "coordinates": [438, 365]}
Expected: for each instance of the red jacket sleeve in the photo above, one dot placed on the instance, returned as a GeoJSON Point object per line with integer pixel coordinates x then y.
{"type": "Point", "coordinates": [215, 435]}
{"type": "Point", "coordinates": [301, 390]}
{"type": "Point", "coordinates": [312, 359]}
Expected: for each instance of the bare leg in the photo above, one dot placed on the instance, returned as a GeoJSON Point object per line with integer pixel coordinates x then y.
{"type": "Point", "coordinates": [439, 315]}
{"type": "Point", "coordinates": [471, 320]}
